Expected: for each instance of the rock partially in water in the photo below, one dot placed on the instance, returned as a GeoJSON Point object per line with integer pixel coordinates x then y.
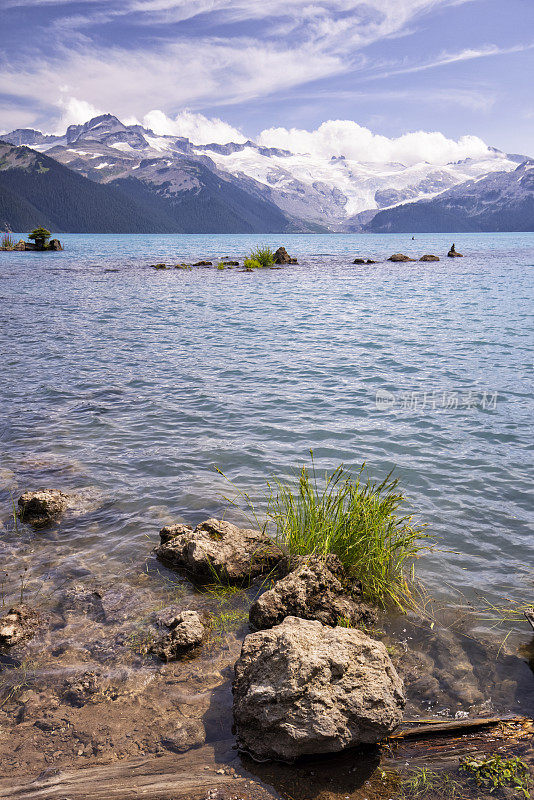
{"type": "Point", "coordinates": [203, 264]}
{"type": "Point", "coordinates": [171, 531]}
{"type": "Point", "coordinates": [429, 258]}
{"type": "Point", "coordinates": [453, 253]}
{"type": "Point", "coordinates": [400, 257]}
{"type": "Point", "coordinates": [159, 266]}
{"type": "Point", "coordinates": [186, 633]}
{"type": "Point", "coordinates": [281, 256]}
{"type": "Point", "coordinates": [218, 550]}
{"type": "Point", "coordinates": [316, 589]}
{"type": "Point", "coordinates": [364, 261]}
{"type": "Point", "coordinates": [303, 688]}
{"type": "Point", "coordinates": [20, 623]}
{"type": "Point", "coordinates": [42, 508]}
{"type": "Point", "coordinates": [54, 244]}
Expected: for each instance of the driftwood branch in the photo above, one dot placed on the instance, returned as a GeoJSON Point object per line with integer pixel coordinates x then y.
{"type": "Point", "coordinates": [430, 727]}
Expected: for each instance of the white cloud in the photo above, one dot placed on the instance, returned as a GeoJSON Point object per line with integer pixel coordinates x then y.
{"type": "Point", "coordinates": [202, 69]}
{"type": "Point", "coordinates": [444, 59]}
{"type": "Point", "coordinates": [178, 75]}
{"type": "Point", "coordinates": [347, 138]}
{"type": "Point", "coordinates": [75, 112]}
{"type": "Point", "coordinates": [196, 127]}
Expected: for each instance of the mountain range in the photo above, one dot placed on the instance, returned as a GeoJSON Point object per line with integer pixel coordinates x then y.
{"type": "Point", "coordinates": [104, 176]}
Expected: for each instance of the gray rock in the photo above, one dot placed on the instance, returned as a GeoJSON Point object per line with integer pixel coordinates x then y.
{"type": "Point", "coordinates": [303, 688]}
{"type": "Point", "coordinates": [186, 633]}
{"type": "Point", "coordinates": [42, 508]}
{"type": "Point", "coordinates": [216, 549]}
{"type": "Point", "coordinates": [19, 623]}
{"type": "Point", "coordinates": [400, 257]}
{"type": "Point", "coordinates": [316, 589]}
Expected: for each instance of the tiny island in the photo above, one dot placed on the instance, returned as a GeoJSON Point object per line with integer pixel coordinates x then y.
{"type": "Point", "coordinates": [41, 242]}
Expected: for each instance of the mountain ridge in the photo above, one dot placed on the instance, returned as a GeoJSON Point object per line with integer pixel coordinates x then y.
{"type": "Point", "coordinates": [500, 201]}
{"type": "Point", "coordinates": [246, 187]}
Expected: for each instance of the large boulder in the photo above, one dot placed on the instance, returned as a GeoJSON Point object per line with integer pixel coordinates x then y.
{"type": "Point", "coordinates": [186, 632]}
{"type": "Point", "coordinates": [429, 257]}
{"type": "Point", "coordinates": [54, 244]}
{"type": "Point", "coordinates": [316, 589]}
{"type": "Point", "coordinates": [218, 550]}
{"type": "Point", "coordinates": [400, 257]}
{"type": "Point", "coordinates": [18, 624]}
{"type": "Point", "coordinates": [282, 257]}
{"type": "Point", "coordinates": [303, 688]}
{"type": "Point", "coordinates": [42, 508]}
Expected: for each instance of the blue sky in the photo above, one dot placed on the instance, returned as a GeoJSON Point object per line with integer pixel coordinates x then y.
{"type": "Point", "coordinates": [394, 66]}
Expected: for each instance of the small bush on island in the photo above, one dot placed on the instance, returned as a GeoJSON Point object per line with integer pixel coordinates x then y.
{"type": "Point", "coordinates": [260, 258]}
{"type": "Point", "coordinates": [40, 236]}
{"type": "Point", "coordinates": [7, 242]}
{"type": "Point", "coordinates": [356, 520]}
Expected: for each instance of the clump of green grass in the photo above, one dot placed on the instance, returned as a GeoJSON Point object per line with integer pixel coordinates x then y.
{"type": "Point", "coordinates": [358, 521]}
{"type": "Point", "coordinates": [424, 782]}
{"type": "Point", "coordinates": [221, 591]}
{"type": "Point", "coordinates": [495, 772]}
{"type": "Point", "coordinates": [260, 258]}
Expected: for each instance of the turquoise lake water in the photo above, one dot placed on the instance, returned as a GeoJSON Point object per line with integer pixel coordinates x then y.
{"type": "Point", "coordinates": [132, 385]}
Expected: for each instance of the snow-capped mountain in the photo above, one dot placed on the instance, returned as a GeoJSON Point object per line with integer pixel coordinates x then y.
{"type": "Point", "coordinates": [331, 192]}
{"type": "Point", "coordinates": [500, 201]}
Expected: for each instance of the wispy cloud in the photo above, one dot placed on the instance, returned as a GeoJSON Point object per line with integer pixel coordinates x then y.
{"type": "Point", "coordinates": [445, 59]}
{"type": "Point", "coordinates": [200, 53]}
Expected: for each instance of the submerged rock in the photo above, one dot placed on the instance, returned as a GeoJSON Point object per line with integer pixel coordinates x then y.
{"type": "Point", "coordinates": [42, 508]}
{"type": "Point", "coordinates": [400, 257]}
{"type": "Point", "coordinates": [314, 590]}
{"type": "Point", "coordinates": [230, 263]}
{"type": "Point", "coordinates": [453, 254]}
{"type": "Point", "coordinates": [218, 550]}
{"type": "Point", "coordinates": [159, 266]}
{"type": "Point", "coordinates": [185, 735]}
{"type": "Point", "coordinates": [186, 633]}
{"type": "Point", "coordinates": [303, 688]}
{"type": "Point", "coordinates": [19, 623]}
{"type": "Point", "coordinates": [429, 258]}
{"type": "Point", "coordinates": [282, 257]}
{"type": "Point", "coordinates": [364, 261]}
{"type": "Point", "coordinates": [203, 264]}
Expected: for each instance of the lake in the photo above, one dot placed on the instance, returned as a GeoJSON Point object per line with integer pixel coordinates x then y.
{"type": "Point", "coordinates": [136, 384]}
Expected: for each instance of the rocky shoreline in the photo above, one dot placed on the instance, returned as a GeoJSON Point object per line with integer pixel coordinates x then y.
{"type": "Point", "coordinates": [104, 674]}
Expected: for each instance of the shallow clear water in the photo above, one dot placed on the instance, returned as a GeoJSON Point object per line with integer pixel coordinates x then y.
{"type": "Point", "coordinates": [133, 385]}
